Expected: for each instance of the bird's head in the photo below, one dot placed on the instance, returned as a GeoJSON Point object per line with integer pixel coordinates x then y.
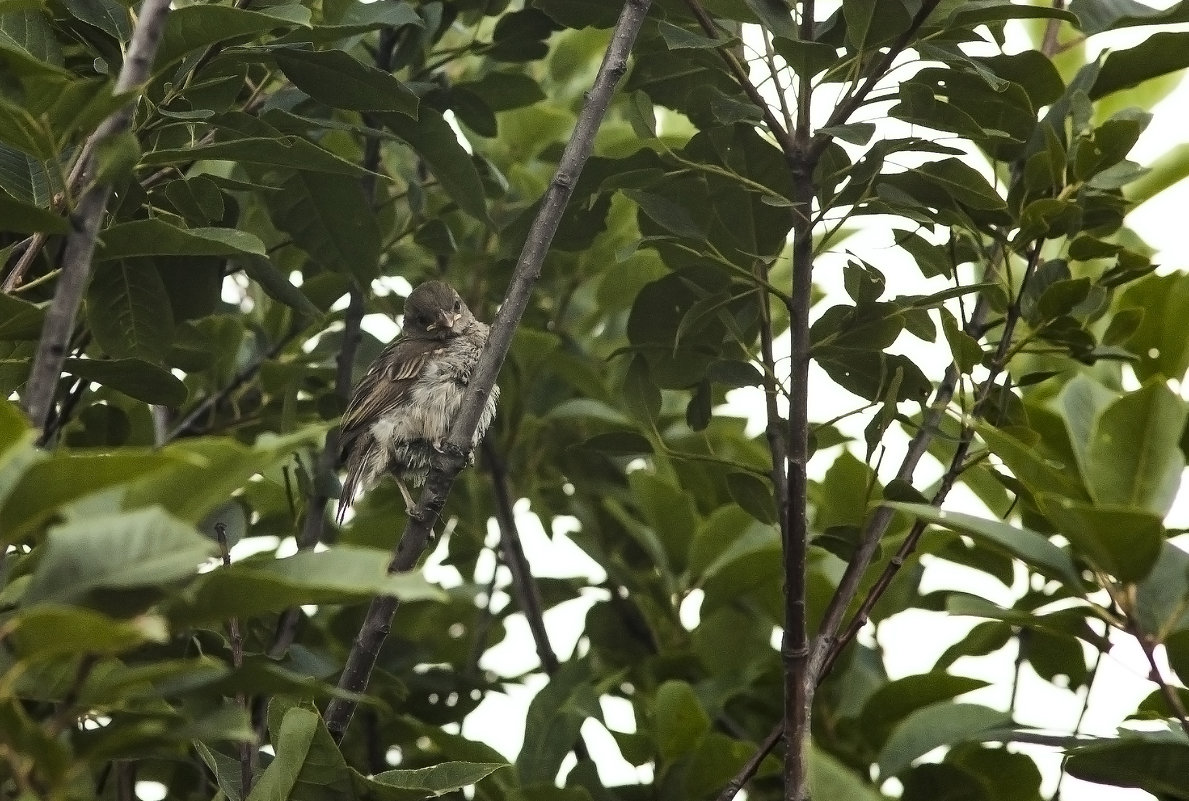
{"type": "Point", "coordinates": [435, 311]}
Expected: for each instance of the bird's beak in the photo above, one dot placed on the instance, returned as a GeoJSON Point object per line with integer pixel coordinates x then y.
{"type": "Point", "coordinates": [447, 321]}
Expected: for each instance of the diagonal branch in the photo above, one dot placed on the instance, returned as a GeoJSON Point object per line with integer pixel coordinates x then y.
{"type": "Point", "coordinates": [447, 464]}
{"type": "Point", "coordinates": [38, 397]}
{"type": "Point", "coordinates": [523, 585]}
{"type": "Point", "coordinates": [739, 71]}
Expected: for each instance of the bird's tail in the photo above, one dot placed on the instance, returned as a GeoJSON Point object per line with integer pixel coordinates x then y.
{"type": "Point", "coordinates": [356, 462]}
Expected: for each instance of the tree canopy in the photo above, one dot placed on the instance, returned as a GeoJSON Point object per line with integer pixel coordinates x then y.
{"type": "Point", "coordinates": [210, 213]}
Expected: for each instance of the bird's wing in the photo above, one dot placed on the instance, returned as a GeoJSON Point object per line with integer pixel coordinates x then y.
{"type": "Point", "coordinates": [386, 384]}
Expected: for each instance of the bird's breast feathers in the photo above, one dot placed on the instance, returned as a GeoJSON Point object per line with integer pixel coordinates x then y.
{"type": "Point", "coordinates": [433, 400]}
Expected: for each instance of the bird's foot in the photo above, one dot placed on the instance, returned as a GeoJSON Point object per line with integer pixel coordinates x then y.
{"type": "Point", "coordinates": [410, 504]}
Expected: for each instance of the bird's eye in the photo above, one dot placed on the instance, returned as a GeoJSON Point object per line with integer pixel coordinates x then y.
{"type": "Point", "coordinates": [457, 305]}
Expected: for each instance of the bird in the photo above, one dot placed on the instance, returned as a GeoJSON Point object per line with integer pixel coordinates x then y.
{"type": "Point", "coordinates": [401, 411]}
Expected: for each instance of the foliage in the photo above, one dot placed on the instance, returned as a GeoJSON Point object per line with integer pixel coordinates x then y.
{"type": "Point", "coordinates": [292, 164]}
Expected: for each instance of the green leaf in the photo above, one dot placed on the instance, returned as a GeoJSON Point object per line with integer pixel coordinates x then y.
{"type": "Point", "coordinates": [50, 629]}
{"type": "Point", "coordinates": [667, 213]}
{"type": "Point", "coordinates": [1121, 542]}
{"type": "Point", "coordinates": [502, 91]}
{"type": "Point", "coordinates": [341, 574]}
{"type": "Point", "coordinates": [965, 348]}
{"type": "Point", "coordinates": [156, 237]}
{"type": "Point", "coordinates": [940, 724]}
{"type": "Point", "coordinates": [360, 17]}
{"type": "Point", "coordinates": [25, 132]}
{"type": "Point", "coordinates": [640, 393]}
{"type": "Point", "coordinates": [618, 443]}
{"type": "Point", "coordinates": [435, 141]}
{"type": "Point", "coordinates": [19, 319]}
{"type": "Point", "coordinates": [555, 717]}
{"type": "Point", "coordinates": [27, 34]}
{"type": "Point", "coordinates": [277, 285]}
{"type": "Point", "coordinates": [1159, 54]}
{"type": "Point", "coordinates": [897, 699]}
{"type": "Point", "coordinates": [26, 218]}
{"type": "Point", "coordinates": [226, 771]}
{"type": "Point", "coordinates": [1162, 598]}
{"type": "Point", "coordinates": [1160, 348]}
{"type": "Point", "coordinates": [330, 219]}
{"type": "Point", "coordinates": [129, 312]}
{"type": "Point", "coordinates": [1096, 16]}
{"type": "Point", "coordinates": [203, 473]}
{"type": "Point", "coordinates": [341, 81]}
{"type": "Point", "coordinates": [307, 765]}
{"type": "Point", "coordinates": [1032, 548]}
{"type": "Point", "coordinates": [1036, 471]}
{"type": "Point", "coordinates": [1150, 761]}
{"type": "Point", "coordinates": [870, 23]}
{"type": "Point", "coordinates": [277, 151]}
{"type": "Point", "coordinates": [753, 494]}
{"type": "Point", "coordinates": [677, 38]}
{"type": "Point", "coordinates": [441, 778]}
{"type": "Point", "coordinates": [973, 13]}
{"type": "Point", "coordinates": [932, 260]}
{"type": "Point", "coordinates": [192, 27]}
{"type": "Point", "coordinates": [680, 720]}
{"type": "Point", "coordinates": [145, 548]}
{"type": "Point", "coordinates": [51, 483]}
{"type": "Point", "coordinates": [1134, 459]}
{"type": "Point", "coordinates": [136, 378]}
{"type": "Point", "coordinates": [108, 16]}
{"type": "Point", "coordinates": [962, 182]}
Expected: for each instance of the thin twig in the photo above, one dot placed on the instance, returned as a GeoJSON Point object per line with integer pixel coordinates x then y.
{"type": "Point", "coordinates": [38, 398]}
{"type": "Point", "coordinates": [1049, 44]}
{"type": "Point", "coordinates": [873, 74]}
{"type": "Point", "coordinates": [752, 765]}
{"type": "Point", "coordinates": [777, 427]}
{"type": "Point", "coordinates": [65, 714]}
{"type": "Point", "coordinates": [210, 402]}
{"type": "Point", "coordinates": [452, 459]}
{"type": "Point", "coordinates": [126, 780]}
{"type": "Point", "coordinates": [32, 250]}
{"type": "Point", "coordinates": [528, 598]}
{"type": "Point", "coordinates": [1155, 674]}
{"type": "Point", "coordinates": [247, 753]}
{"type": "Point", "coordinates": [783, 138]}
{"type": "Point", "coordinates": [1077, 727]}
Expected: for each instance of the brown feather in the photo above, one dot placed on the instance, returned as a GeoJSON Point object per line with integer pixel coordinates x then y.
{"type": "Point", "coordinates": [402, 407]}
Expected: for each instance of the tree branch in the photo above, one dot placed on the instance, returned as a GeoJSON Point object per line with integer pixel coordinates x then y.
{"type": "Point", "coordinates": [523, 585]}
{"type": "Point", "coordinates": [798, 683]}
{"type": "Point", "coordinates": [447, 464]}
{"type": "Point", "coordinates": [39, 393]}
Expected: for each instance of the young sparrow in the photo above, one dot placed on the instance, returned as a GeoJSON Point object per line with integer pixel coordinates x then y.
{"type": "Point", "coordinates": [401, 411]}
